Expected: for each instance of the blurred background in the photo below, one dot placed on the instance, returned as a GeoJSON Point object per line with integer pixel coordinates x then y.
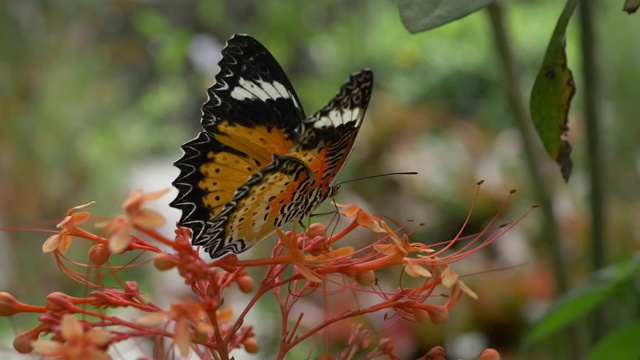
{"type": "Point", "coordinates": [97, 97]}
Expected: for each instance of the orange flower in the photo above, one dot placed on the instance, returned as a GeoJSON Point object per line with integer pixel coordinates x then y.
{"type": "Point", "coordinates": [295, 256]}
{"type": "Point", "coordinates": [144, 218]}
{"type": "Point", "coordinates": [344, 252]}
{"type": "Point", "coordinates": [401, 249]}
{"type": "Point", "coordinates": [62, 240]}
{"type": "Point", "coordinates": [134, 216]}
{"type": "Point", "coordinates": [451, 280]}
{"type": "Point", "coordinates": [77, 344]}
{"type": "Point", "coordinates": [363, 219]}
{"type": "Point", "coordinates": [183, 313]}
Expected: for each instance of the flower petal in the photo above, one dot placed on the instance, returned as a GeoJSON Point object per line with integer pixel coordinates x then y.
{"type": "Point", "coordinates": [154, 195]}
{"type": "Point", "coordinates": [71, 328]}
{"type": "Point", "coordinates": [182, 337]}
{"type": "Point", "coordinates": [51, 243]}
{"type": "Point", "coordinates": [95, 354]}
{"type": "Point", "coordinates": [310, 275]}
{"type": "Point", "coordinates": [48, 348]}
{"type": "Point", "coordinates": [65, 242]}
{"type": "Point", "coordinates": [224, 315]}
{"type": "Point", "coordinates": [98, 337]}
{"type": "Point", "coordinates": [119, 241]}
{"type": "Point", "coordinates": [148, 219]}
{"type": "Point", "coordinates": [388, 249]}
{"type": "Point", "coordinates": [449, 278]}
{"type": "Point", "coordinates": [133, 201]}
{"type": "Point", "coordinates": [415, 269]}
{"type": "Point", "coordinates": [467, 290]}
{"type": "Point", "coordinates": [73, 209]}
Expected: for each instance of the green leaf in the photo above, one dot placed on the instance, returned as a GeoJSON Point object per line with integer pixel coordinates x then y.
{"type": "Point", "coordinates": [578, 303]}
{"type": "Point", "coordinates": [620, 344]}
{"type": "Point", "coordinates": [566, 310]}
{"type": "Point", "coordinates": [421, 15]}
{"type": "Point", "coordinates": [551, 96]}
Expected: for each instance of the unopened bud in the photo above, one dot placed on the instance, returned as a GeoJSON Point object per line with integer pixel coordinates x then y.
{"type": "Point", "coordinates": [57, 301]}
{"type": "Point", "coordinates": [99, 254]}
{"type": "Point", "coordinates": [131, 287]}
{"type": "Point", "coordinates": [246, 284]}
{"type": "Point", "coordinates": [436, 353]}
{"type": "Point", "coordinates": [251, 345]}
{"type": "Point", "coordinates": [22, 341]}
{"type": "Point", "coordinates": [489, 354]}
{"type": "Point", "coordinates": [8, 304]}
{"type": "Point", "coordinates": [316, 229]}
{"type": "Point", "coordinates": [365, 278]}
{"type": "Point", "coordinates": [164, 262]}
{"type": "Point", "coordinates": [439, 314]}
{"type": "Point", "coordinates": [421, 315]}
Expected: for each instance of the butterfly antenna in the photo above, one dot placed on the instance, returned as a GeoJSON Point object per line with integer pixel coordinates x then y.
{"type": "Point", "coordinates": [378, 175]}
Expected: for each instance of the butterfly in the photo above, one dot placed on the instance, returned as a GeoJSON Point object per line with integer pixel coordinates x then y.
{"type": "Point", "coordinates": [260, 162]}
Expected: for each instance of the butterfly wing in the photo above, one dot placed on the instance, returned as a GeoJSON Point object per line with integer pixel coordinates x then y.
{"type": "Point", "coordinates": [271, 198]}
{"type": "Point", "coordinates": [330, 133]}
{"type": "Point", "coordinates": [292, 185]}
{"type": "Point", "coordinates": [252, 114]}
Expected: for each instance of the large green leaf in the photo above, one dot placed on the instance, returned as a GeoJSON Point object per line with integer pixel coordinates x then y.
{"type": "Point", "coordinates": [620, 344]}
{"type": "Point", "coordinates": [578, 303]}
{"type": "Point", "coordinates": [551, 96]}
{"type": "Point", "coordinates": [421, 15]}
{"type": "Point", "coordinates": [567, 310]}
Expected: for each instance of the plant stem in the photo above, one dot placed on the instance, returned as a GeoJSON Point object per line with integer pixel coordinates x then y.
{"type": "Point", "coordinates": [596, 171]}
{"type": "Point", "coordinates": [523, 123]}
{"type": "Point", "coordinates": [550, 233]}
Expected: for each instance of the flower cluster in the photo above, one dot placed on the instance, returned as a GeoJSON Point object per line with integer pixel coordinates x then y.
{"type": "Point", "coordinates": [303, 263]}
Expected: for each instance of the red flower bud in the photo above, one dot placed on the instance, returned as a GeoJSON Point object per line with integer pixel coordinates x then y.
{"type": "Point", "coordinates": [164, 261]}
{"type": "Point", "coordinates": [251, 345]}
{"type": "Point", "coordinates": [22, 341]}
{"type": "Point", "coordinates": [99, 254]}
{"type": "Point", "coordinates": [246, 284]}
{"type": "Point", "coordinates": [8, 304]}
{"type": "Point", "coordinates": [57, 301]}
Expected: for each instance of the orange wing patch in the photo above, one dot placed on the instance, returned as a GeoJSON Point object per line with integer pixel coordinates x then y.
{"type": "Point", "coordinates": [224, 172]}
{"type": "Point", "coordinates": [259, 142]}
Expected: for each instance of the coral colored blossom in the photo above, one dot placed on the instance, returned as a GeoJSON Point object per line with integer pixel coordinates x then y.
{"type": "Point", "coordinates": [77, 344]}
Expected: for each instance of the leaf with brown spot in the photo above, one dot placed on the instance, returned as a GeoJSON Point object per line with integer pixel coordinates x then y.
{"type": "Point", "coordinates": [551, 97]}
{"type": "Point", "coordinates": [631, 6]}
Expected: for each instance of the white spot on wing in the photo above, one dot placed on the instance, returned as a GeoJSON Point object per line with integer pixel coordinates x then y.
{"type": "Point", "coordinates": [282, 90]}
{"type": "Point", "coordinates": [261, 90]}
{"type": "Point", "coordinates": [255, 89]}
{"type": "Point", "coordinates": [239, 93]}
{"type": "Point", "coordinates": [270, 89]}
{"type": "Point", "coordinates": [355, 115]}
{"type": "Point", "coordinates": [322, 123]}
{"type": "Point", "coordinates": [336, 117]}
{"type": "Point", "coordinates": [347, 114]}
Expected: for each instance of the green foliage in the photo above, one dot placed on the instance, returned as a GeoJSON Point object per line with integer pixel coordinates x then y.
{"type": "Point", "coordinates": [421, 15]}
{"type": "Point", "coordinates": [613, 287]}
{"type": "Point", "coordinates": [619, 344]}
{"type": "Point", "coordinates": [551, 96]}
